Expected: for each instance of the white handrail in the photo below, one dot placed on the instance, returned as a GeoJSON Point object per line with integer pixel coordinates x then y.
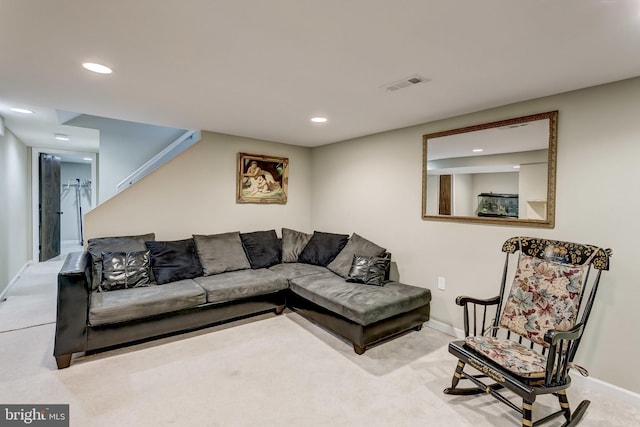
{"type": "Point", "coordinates": [176, 147]}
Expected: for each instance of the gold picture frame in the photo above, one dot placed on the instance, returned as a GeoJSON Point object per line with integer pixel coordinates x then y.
{"type": "Point", "coordinates": [262, 179]}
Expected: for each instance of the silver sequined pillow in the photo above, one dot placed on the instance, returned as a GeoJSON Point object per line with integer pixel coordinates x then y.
{"type": "Point", "coordinates": [369, 270]}
{"type": "Point", "coordinates": [122, 270]}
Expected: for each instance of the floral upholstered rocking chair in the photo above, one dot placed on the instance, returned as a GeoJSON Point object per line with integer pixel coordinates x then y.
{"type": "Point", "coordinates": [525, 339]}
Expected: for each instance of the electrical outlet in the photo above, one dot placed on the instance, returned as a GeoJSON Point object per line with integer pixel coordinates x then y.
{"type": "Point", "coordinates": [441, 283]}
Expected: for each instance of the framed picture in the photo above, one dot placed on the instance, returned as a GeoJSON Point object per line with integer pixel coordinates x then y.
{"type": "Point", "coordinates": [262, 179]}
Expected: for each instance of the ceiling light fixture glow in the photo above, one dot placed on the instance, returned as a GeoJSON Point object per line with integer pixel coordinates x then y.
{"type": "Point", "coordinates": [21, 110]}
{"type": "Point", "coordinates": [97, 68]}
{"type": "Point", "coordinates": [319, 119]}
{"type": "Point", "coordinates": [62, 137]}
{"type": "Point", "coordinates": [477, 150]}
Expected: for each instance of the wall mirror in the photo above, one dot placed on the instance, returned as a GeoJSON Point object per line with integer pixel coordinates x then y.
{"type": "Point", "coordinates": [496, 173]}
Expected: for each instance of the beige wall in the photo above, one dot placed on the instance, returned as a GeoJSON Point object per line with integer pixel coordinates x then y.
{"type": "Point", "coordinates": [195, 193]}
{"type": "Point", "coordinates": [15, 207]}
{"type": "Point", "coordinates": [372, 186]}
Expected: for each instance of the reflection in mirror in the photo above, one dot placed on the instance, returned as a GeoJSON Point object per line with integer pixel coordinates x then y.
{"type": "Point", "coordinates": [501, 172]}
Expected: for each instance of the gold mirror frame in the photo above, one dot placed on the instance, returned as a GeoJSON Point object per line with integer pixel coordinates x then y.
{"type": "Point", "coordinates": [549, 219]}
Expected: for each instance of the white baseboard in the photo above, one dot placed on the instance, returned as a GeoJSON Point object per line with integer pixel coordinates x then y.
{"type": "Point", "coordinates": [15, 279]}
{"type": "Point", "coordinates": [444, 328]}
{"type": "Point", "coordinates": [611, 391]}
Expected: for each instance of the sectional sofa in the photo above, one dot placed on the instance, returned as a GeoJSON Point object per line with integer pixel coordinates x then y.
{"type": "Point", "coordinates": [123, 290]}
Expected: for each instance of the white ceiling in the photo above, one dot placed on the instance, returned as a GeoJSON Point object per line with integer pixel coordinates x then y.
{"type": "Point", "coordinates": [262, 69]}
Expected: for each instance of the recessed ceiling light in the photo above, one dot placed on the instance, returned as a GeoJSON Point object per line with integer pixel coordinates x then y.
{"type": "Point", "coordinates": [516, 167]}
{"type": "Point", "coordinates": [62, 137]}
{"type": "Point", "coordinates": [97, 68]}
{"type": "Point", "coordinates": [319, 119]}
{"type": "Point", "coordinates": [477, 150]}
{"type": "Point", "coordinates": [21, 110]}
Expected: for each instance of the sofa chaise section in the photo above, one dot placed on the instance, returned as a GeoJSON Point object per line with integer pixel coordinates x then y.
{"type": "Point", "coordinates": [363, 314]}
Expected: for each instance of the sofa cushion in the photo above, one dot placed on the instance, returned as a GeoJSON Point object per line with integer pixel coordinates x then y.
{"type": "Point", "coordinates": [262, 247]}
{"type": "Point", "coordinates": [122, 270]}
{"type": "Point", "coordinates": [221, 252]}
{"type": "Point", "coordinates": [234, 285]}
{"type": "Point", "coordinates": [136, 303]}
{"type": "Point", "coordinates": [357, 245]}
{"type": "Point", "coordinates": [291, 270]}
{"type": "Point", "coordinates": [293, 242]}
{"type": "Point", "coordinates": [361, 304]}
{"type": "Point", "coordinates": [173, 261]}
{"type": "Point", "coordinates": [323, 248]}
{"type": "Point", "coordinates": [113, 244]}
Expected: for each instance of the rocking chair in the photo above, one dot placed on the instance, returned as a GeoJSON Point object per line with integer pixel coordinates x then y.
{"type": "Point", "coordinates": [524, 340]}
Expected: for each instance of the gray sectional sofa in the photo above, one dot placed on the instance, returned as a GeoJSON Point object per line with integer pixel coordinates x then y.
{"type": "Point", "coordinates": [123, 290]}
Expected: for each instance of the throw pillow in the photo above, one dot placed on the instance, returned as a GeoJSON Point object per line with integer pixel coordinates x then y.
{"type": "Point", "coordinates": [221, 252]}
{"type": "Point", "coordinates": [322, 248]}
{"type": "Point", "coordinates": [357, 245]}
{"type": "Point", "coordinates": [122, 270]}
{"type": "Point", "coordinates": [368, 270]}
{"type": "Point", "coordinates": [262, 247]}
{"type": "Point", "coordinates": [113, 244]}
{"type": "Point", "coordinates": [293, 242]}
{"type": "Point", "coordinates": [173, 261]}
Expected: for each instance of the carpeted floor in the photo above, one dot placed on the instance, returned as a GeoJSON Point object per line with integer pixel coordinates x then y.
{"type": "Point", "coordinates": [264, 371]}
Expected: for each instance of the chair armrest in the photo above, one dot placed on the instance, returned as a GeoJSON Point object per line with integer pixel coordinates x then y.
{"type": "Point", "coordinates": [463, 300]}
{"type": "Point", "coordinates": [72, 304]}
{"type": "Point", "coordinates": [478, 323]}
{"type": "Point", "coordinates": [554, 336]}
{"type": "Point", "coordinates": [562, 348]}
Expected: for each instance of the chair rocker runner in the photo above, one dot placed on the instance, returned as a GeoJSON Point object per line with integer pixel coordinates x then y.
{"type": "Point", "coordinates": [525, 339]}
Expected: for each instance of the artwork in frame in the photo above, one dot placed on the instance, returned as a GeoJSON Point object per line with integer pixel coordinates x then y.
{"type": "Point", "coordinates": [262, 179]}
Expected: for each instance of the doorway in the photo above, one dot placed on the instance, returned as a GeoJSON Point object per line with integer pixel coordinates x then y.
{"type": "Point", "coordinates": [60, 201]}
{"type": "Point", "coordinates": [49, 207]}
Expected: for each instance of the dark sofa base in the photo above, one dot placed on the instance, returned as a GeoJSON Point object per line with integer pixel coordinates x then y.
{"type": "Point", "coordinates": [362, 337]}
{"type": "Point", "coordinates": [107, 336]}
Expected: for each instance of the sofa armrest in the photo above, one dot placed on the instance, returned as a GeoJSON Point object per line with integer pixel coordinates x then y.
{"type": "Point", "coordinates": [74, 282]}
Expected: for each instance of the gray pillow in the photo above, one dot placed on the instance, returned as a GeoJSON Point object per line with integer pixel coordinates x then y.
{"type": "Point", "coordinates": [221, 252]}
{"type": "Point", "coordinates": [113, 244]}
{"type": "Point", "coordinates": [293, 242]}
{"type": "Point", "coordinates": [357, 245]}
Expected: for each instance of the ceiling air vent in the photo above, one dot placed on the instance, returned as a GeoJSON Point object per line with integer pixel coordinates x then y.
{"type": "Point", "coordinates": [406, 82]}
{"type": "Point", "coordinates": [513, 126]}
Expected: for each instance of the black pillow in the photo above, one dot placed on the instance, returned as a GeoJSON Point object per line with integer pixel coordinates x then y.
{"type": "Point", "coordinates": [123, 270]}
{"type": "Point", "coordinates": [322, 248]}
{"type": "Point", "coordinates": [262, 248]}
{"type": "Point", "coordinates": [173, 261]}
{"type": "Point", "coordinates": [368, 270]}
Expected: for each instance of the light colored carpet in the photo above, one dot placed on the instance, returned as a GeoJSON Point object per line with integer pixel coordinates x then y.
{"type": "Point", "coordinates": [32, 299]}
{"type": "Point", "coordinates": [265, 371]}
